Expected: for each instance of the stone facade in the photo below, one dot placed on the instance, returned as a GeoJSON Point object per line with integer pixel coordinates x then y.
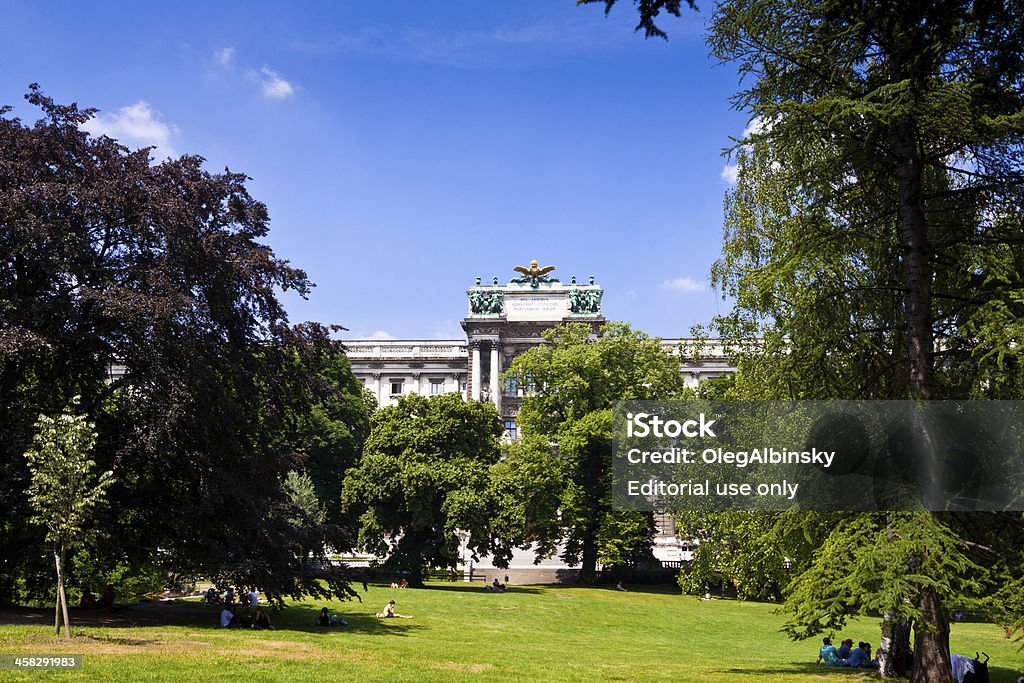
{"type": "Point", "coordinates": [501, 322]}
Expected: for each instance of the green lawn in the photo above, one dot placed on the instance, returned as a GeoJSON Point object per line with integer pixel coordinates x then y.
{"type": "Point", "coordinates": [459, 633]}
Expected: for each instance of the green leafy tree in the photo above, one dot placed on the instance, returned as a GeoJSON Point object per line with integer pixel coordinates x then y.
{"type": "Point", "coordinates": [576, 378]}
{"type": "Point", "coordinates": [423, 479]}
{"type": "Point", "coordinates": [64, 490]}
{"type": "Point", "coordinates": [325, 424]}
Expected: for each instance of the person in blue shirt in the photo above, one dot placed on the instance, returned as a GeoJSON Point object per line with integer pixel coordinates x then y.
{"type": "Point", "coordinates": [861, 657]}
{"type": "Point", "coordinates": [846, 648]}
{"type": "Point", "coordinates": [828, 653]}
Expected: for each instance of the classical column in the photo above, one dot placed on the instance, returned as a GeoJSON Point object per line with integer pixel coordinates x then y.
{"type": "Point", "coordinates": [474, 389]}
{"type": "Point", "coordinates": [376, 387]}
{"type": "Point", "coordinates": [495, 375]}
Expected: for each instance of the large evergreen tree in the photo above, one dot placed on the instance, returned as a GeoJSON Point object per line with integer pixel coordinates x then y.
{"type": "Point", "coordinates": [874, 246]}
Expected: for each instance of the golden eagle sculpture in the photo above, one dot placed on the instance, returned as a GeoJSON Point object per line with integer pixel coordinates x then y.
{"type": "Point", "coordinates": [533, 275]}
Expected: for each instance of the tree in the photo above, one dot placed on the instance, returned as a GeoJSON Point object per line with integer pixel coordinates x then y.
{"type": "Point", "coordinates": [576, 379]}
{"type": "Point", "coordinates": [64, 490]}
{"type": "Point", "coordinates": [423, 479]}
{"type": "Point", "coordinates": [870, 219]}
{"type": "Point", "coordinates": [874, 241]}
{"type": "Point", "coordinates": [146, 289]}
{"type": "Point", "coordinates": [325, 425]}
{"type": "Point", "coordinates": [649, 11]}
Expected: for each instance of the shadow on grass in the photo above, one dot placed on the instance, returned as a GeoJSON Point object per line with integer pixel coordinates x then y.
{"type": "Point", "coordinates": [804, 669]}
{"type": "Point", "coordinates": [997, 674]}
{"type": "Point", "coordinates": [652, 589]}
{"type": "Point", "coordinates": [294, 618]}
{"type": "Point", "coordinates": [1000, 674]}
{"type": "Point", "coordinates": [479, 588]}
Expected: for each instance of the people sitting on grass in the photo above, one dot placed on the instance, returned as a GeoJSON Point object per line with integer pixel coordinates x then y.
{"type": "Point", "coordinates": [211, 597]}
{"type": "Point", "coordinates": [88, 599]}
{"type": "Point", "coordinates": [228, 596]}
{"type": "Point", "coordinates": [827, 653]}
{"type": "Point", "coordinates": [390, 613]}
{"type": "Point", "coordinates": [403, 583]}
{"type": "Point", "coordinates": [620, 587]}
{"type": "Point", "coordinates": [253, 598]}
{"type": "Point", "coordinates": [860, 658]}
{"type": "Point", "coordinates": [227, 617]}
{"type": "Point", "coordinates": [495, 586]}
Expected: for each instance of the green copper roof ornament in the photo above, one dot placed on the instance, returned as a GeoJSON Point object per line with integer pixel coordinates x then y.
{"type": "Point", "coordinates": [585, 301]}
{"type": "Point", "coordinates": [533, 275]}
{"type": "Point", "coordinates": [487, 302]}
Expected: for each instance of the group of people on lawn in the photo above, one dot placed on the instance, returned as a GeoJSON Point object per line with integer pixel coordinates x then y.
{"type": "Point", "coordinates": [846, 655]}
{"type": "Point", "coordinates": [248, 613]}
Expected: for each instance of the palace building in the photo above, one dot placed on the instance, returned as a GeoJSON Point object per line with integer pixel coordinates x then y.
{"type": "Point", "coordinates": [502, 321]}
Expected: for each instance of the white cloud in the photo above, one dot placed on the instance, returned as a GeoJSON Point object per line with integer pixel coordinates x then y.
{"type": "Point", "coordinates": [274, 86]}
{"type": "Point", "coordinates": [682, 284]}
{"type": "Point", "coordinates": [379, 335]}
{"type": "Point", "coordinates": [224, 56]}
{"type": "Point", "coordinates": [136, 125]}
{"type": "Point", "coordinates": [755, 126]}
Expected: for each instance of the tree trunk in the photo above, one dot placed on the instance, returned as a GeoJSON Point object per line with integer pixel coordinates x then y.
{"type": "Point", "coordinates": [931, 631]}
{"type": "Point", "coordinates": [588, 559]}
{"type": "Point", "coordinates": [596, 485]}
{"type": "Point", "coordinates": [917, 269]}
{"type": "Point", "coordinates": [895, 646]}
{"type": "Point", "coordinates": [931, 641]}
{"type": "Point", "coordinates": [56, 604]}
{"type": "Point", "coordinates": [62, 598]}
{"type": "Point", "coordinates": [416, 575]}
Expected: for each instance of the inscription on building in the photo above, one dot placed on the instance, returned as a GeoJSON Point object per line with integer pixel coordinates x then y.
{"type": "Point", "coordinates": [528, 307]}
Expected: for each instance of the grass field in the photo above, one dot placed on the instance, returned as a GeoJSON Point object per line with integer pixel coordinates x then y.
{"type": "Point", "coordinates": [549, 633]}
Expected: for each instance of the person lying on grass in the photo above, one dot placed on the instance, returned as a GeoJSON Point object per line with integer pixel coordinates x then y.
{"type": "Point", "coordinates": [389, 612]}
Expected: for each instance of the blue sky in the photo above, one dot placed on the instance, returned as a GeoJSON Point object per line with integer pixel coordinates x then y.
{"type": "Point", "coordinates": [405, 148]}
